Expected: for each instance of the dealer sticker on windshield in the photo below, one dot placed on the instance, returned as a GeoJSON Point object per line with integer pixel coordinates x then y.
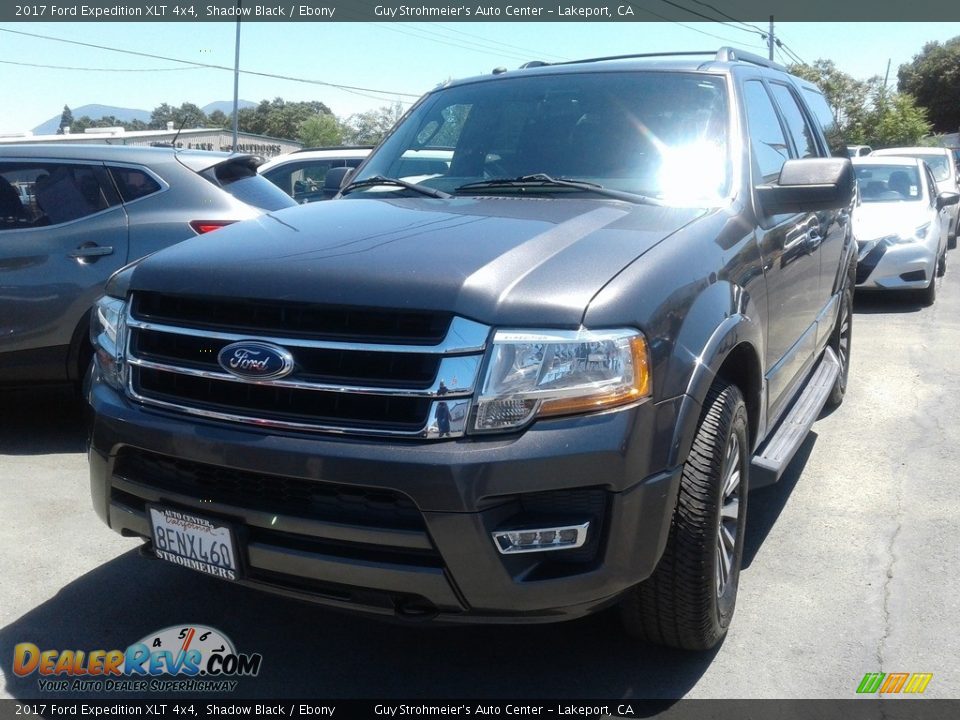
{"type": "Point", "coordinates": [194, 542]}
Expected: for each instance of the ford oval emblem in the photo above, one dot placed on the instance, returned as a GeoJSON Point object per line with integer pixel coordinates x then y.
{"type": "Point", "coordinates": [253, 360]}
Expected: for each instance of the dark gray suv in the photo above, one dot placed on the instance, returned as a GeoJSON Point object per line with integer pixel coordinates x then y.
{"type": "Point", "coordinates": [531, 380]}
{"type": "Point", "coordinates": [71, 214]}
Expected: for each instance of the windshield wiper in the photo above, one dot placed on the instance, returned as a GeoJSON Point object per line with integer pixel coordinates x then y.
{"type": "Point", "coordinates": [383, 180]}
{"type": "Point", "coordinates": [544, 180]}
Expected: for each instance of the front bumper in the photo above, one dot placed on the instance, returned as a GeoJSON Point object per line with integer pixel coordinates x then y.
{"type": "Point", "coordinates": [896, 266]}
{"type": "Point", "coordinates": [404, 528]}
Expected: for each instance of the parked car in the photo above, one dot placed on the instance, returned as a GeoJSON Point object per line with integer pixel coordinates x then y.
{"type": "Point", "coordinates": [900, 225]}
{"type": "Point", "coordinates": [90, 210]}
{"type": "Point", "coordinates": [301, 174]}
{"type": "Point", "coordinates": [944, 167]}
{"type": "Point", "coordinates": [858, 150]}
{"type": "Point", "coordinates": [537, 382]}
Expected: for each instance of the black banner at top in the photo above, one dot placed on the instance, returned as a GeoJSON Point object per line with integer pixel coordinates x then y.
{"type": "Point", "coordinates": [688, 11]}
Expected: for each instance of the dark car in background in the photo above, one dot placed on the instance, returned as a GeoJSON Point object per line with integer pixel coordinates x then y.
{"type": "Point", "coordinates": [72, 214]}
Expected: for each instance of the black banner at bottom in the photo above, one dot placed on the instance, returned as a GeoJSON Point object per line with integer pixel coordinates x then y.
{"type": "Point", "coordinates": [201, 709]}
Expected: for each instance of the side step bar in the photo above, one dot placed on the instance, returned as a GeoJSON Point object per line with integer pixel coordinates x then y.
{"type": "Point", "coordinates": [775, 454]}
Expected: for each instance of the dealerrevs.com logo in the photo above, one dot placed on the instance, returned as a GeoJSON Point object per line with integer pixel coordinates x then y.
{"type": "Point", "coordinates": [180, 658]}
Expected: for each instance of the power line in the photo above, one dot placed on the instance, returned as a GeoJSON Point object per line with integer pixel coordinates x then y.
{"type": "Point", "coordinates": [89, 69]}
{"type": "Point", "coordinates": [749, 27]}
{"type": "Point", "coordinates": [497, 42]}
{"type": "Point", "coordinates": [347, 88]}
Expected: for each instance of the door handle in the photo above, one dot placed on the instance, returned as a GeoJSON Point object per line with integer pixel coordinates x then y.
{"type": "Point", "coordinates": [88, 251]}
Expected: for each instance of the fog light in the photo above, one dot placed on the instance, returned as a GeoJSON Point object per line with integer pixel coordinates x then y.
{"type": "Point", "coordinates": [527, 540]}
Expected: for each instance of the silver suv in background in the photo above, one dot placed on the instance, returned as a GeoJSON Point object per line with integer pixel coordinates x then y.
{"type": "Point", "coordinates": [90, 210]}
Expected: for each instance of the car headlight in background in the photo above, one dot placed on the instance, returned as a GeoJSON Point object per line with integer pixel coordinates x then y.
{"type": "Point", "coordinates": [553, 372]}
{"type": "Point", "coordinates": [908, 237]}
{"type": "Point", "coordinates": [108, 336]}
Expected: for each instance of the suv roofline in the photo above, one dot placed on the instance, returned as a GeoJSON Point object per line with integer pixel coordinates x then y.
{"type": "Point", "coordinates": [725, 54]}
{"type": "Point", "coordinates": [726, 57]}
{"type": "Point", "coordinates": [332, 147]}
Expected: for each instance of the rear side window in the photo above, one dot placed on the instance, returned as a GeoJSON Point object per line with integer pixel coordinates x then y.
{"type": "Point", "coordinates": [770, 149]}
{"type": "Point", "coordinates": [828, 123]}
{"type": "Point", "coordinates": [133, 183]}
{"type": "Point", "coordinates": [240, 179]}
{"type": "Point", "coordinates": [800, 131]}
{"type": "Point", "coordinates": [35, 194]}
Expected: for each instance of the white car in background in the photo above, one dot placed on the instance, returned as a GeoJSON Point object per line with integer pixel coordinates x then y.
{"type": "Point", "coordinates": [944, 167]}
{"type": "Point", "coordinates": [301, 174]}
{"type": "Point", "coordinates": [900, 225]}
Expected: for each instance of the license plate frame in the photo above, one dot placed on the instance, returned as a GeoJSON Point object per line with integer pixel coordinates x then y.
{"type": "Point", "coordinates": [213, 549]}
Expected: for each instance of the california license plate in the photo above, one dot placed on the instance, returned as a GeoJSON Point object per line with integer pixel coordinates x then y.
{"type": "Point", "coordinates": [194, 542]}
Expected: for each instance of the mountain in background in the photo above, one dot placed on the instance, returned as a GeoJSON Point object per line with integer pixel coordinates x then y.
{"type": "Point", "coordinates": [95, 112]}
{"type": "Point", "coordinates": [225, 106]}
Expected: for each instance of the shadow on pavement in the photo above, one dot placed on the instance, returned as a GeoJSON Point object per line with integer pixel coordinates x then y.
{"type": "Point", "coordinates": [764, 505]}
{"type": "Point", "coordinates": [309, 652]}
{"type": "Point", "coordinates": [878, 302]}
{"type": "Point", "coordinates": [41, 420]}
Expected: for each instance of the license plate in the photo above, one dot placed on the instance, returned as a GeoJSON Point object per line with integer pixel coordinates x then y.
{"type": "Point", "coordinates": [194, 542]}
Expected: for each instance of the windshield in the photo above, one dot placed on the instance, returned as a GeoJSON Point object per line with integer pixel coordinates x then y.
{"type": "Point", "coordinates": [938, 164]}
{"type": "Point", "coordinates": [889, 183]}
{"type": "Point", "coordinates": [657, 134]}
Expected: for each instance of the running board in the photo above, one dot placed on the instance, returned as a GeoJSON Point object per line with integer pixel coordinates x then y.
{"type": "Point", "coordinates": [776, 453]}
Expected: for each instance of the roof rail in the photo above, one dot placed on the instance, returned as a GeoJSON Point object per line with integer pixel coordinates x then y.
{"type": "Point", "coordinates": [639, 55]}
{"type": "Point", "coordinates": [729, 54]}
{"type": "Point", "coordinates": [724, 54]}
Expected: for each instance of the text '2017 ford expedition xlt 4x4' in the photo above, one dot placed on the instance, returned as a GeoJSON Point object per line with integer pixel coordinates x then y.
{"type": "Point", "coordinates": [525, 367]}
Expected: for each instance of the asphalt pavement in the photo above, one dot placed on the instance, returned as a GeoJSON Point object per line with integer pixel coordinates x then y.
{"type": "Point", "coordinates": [850, 564]}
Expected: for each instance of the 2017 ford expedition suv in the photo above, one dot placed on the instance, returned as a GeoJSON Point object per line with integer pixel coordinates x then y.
{"type": "Point", "coordinates": [528, 379]}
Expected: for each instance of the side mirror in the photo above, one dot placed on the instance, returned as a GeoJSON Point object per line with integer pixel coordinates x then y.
{"type": "Point", "coordinates": [335, 179]}
{"type": "Point", "coordinates": [947, 198]}
{"type": "Point", "coordinates": [809, 185]}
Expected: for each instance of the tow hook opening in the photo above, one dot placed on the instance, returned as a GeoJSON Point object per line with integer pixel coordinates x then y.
{"type": "Point", "coordinates": [415, 608]}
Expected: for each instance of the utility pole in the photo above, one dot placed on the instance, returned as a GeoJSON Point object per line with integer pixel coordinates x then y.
{"type": "Point", "coordinates": [236, 86]}
{"type": "Point", "coordinates": [770, 39]}
{"type": "Point", "coordinates": [886, 75]}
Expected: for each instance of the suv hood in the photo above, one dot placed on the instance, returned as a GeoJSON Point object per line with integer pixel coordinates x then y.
{"type": "Point", "coordinates": [496, 260]}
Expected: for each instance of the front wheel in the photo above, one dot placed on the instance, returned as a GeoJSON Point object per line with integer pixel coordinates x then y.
{"type": "Point", "coordinates": [689, 600]}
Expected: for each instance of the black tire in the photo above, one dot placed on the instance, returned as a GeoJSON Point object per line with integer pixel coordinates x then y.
{"type": "Point", "coordinates": [841, 341]}
{"type": "Point", "coordinates": [942, 264]}
{"type": "Point", "coordinates": [685, 603]}
{"type": "Point", "coordinates": [952, 243]}
{"type": "Point", "coordinates": [929, 296]}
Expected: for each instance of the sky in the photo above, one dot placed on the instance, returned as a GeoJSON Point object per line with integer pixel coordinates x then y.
{"type": "Point", "coordinates": [388, 61]}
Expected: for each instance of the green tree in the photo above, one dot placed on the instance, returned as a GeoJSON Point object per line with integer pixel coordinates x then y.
{"type": "Point", "coordinates": [895, 120]}
{"type": "Point", "coordinates": [933, 78]}
{"type": "Point", "coordinates": [66, 119]}
{"type": "Point", "coordinates": [187, 115]}
{"type": "Point", "coordinates": [278, 118]}
{"type": "Point", "coordinates": [218, 119]}
{"type": "Point", "coordinates": [370, 127]}
{"type": "Point", "coordinates": [320, 131]}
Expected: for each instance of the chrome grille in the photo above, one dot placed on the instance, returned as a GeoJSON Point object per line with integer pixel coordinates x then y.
{"type": "Point", "coordinates": [396, 384]}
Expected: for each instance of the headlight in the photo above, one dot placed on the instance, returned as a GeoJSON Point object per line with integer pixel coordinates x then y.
{"type": "Point", "coordinates": [543, 373]}
{"type": "Point", "coordinates": [906, 236]}
{"type": "Point", "coordinates": [108, 337]}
